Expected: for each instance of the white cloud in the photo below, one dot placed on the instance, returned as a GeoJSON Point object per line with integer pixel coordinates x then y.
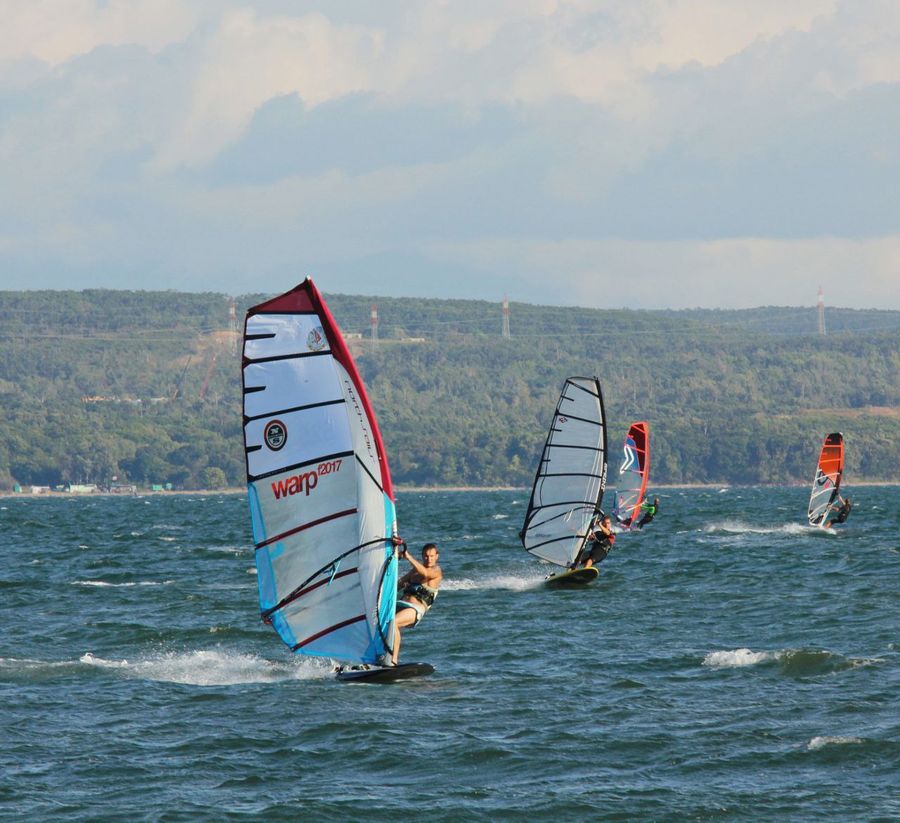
{"type": "Point", "coordinates": [692, 136]}
{"type": "Point", "coordinates": [248, 60]}
{"type": "Point", "coordinates": [55, 31]}
{"type": "Point", "coordinates": [735, 273]}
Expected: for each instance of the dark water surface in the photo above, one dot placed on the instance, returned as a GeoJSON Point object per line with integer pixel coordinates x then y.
{"type": "Point", "coordinates": [729, 664]}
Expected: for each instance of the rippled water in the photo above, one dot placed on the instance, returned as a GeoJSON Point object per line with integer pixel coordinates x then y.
{"type": "Point", "coordinates": [729, 664]}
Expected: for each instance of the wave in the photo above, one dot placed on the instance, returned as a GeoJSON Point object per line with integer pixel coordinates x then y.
{"type": "Point", "coordinates": [499, 517]}
{"type": "Point", "coordinates": [510, 582]}
{"type": "Point", "coordinates": [737, 658]}
{"type": "Point", "coordinates": [226, 549]}
{"type": "Point", "coordinates": [739, 527]}
{"type": "Point", "coordinates": [792, 662]}
{"type": "Point", "coordinates": [103, 583]}
{"type": "Point", "coordinates": [214, 668]}
{"type": "Point", "coordinates": [827, 740]}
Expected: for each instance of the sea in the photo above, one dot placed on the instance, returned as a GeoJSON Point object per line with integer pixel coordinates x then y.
{"type": "Point", "coordinates": [729, 664]}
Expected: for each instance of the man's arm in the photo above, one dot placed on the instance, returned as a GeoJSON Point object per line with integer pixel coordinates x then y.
{"type": "Point", "coordinates": [424, 571]}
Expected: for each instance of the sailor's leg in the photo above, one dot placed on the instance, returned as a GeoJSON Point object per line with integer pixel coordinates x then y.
{"type": "Point", "coordinates": [404, 618]}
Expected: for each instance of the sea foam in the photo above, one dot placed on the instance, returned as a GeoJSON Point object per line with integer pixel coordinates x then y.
{"type": "Point", "coordinates": [827, 740]}
{"type": "Point", "coordinates": [737, 658]}
{"type": "Point", "coordinates": [510, 582]}
{"type": "Point", "coordinates": [214, 668]}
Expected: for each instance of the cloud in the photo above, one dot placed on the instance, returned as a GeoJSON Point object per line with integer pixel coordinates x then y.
{"type": "Point", "coordinates": [733, 273]}
{"type": "Point", "coordinates": [204, 144]}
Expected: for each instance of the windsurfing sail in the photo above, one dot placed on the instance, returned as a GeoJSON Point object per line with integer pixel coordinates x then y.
{"type": "Point", "coordinates": [571, 475]}
{"type": "Point", "coordinates": [827, 481]}
{"type": "Point", "coordinates": [319, 487]}
{"type": "Point", "coordinates": [633, 475]}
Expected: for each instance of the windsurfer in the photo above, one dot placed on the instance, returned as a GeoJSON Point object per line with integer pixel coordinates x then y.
{"type": "Point", "coordinates": [843, 511]}
{"type": "Point", "coordinates": [417, 590]}
{"type": "Point", "coordinates": [650, 511]}
{"type": "Point", "coordinates": [600, 541]}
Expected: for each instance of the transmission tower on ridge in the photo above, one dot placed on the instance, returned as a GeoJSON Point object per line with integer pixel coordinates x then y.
{"type": "Point", "coordinates": [821, 308]}
{"type": "Point", "coordinates": [373, 320]}
{"type": "Point", "coordinates": [505, 316]}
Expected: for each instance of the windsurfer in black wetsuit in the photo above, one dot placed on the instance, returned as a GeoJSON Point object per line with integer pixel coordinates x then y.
{"type": "Point", "coordinates": [600, 542]}
{"type": "Point", "coordinates": [843, 511]}
{"type": "Point", "coordinates": [650, 511]}
{"type": "Point", "coordinates": [416, 592]}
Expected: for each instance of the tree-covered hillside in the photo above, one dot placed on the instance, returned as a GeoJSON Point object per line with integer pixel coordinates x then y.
{"type": "Point", "coordinates": [145, 387]}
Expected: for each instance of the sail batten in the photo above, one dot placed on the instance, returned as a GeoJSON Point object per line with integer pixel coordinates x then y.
{"type": "Point", "coordinates": [318, 483]}
{"type": "Point", "coordinates": [571, 475]}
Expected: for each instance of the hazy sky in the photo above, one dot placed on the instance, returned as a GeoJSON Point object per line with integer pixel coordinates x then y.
{"type": "Point", "coordinates": [640, 153]}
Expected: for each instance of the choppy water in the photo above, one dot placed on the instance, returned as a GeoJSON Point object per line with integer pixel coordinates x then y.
{"type": "Point", "coordinates": [729, 664]}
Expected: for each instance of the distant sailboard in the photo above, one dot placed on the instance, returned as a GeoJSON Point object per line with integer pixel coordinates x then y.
{"type": "Point", "coordinates": [634, 472]}
{"type": "Point", "coordinates": [318, 483]}
{"type": "Point", "coordinates": [571, 475]}
{"type": "Point", "coordinates": [827, 482]}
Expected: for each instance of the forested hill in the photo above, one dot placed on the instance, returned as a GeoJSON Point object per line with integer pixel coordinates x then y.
{"type": "Point", "coordinates": [145, 387]}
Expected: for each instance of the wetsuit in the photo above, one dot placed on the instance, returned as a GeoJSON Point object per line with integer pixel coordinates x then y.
{"type": "Point", "coordinates": [651, 510]}
{"type": "Point", "coordinates": [843, 512]}
{"type": "Point", "coordinates": [423, 594]}
{"type": "Point", "coordinates": [596, 550]}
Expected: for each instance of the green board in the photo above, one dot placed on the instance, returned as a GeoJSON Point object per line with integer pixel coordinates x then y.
{"type": "Point", "coordinates": [387, 674]}
{"type": "Point", "coordinates": [573, 578]}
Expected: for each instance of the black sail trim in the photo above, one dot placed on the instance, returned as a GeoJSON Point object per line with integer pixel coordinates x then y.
{"type": "Point", "coordinates": [286, 313]}
{"type": "Point", "coordinates": [294, 356]}
{"type": "Point", "coordinates": [278, 412]}
{"type": "Point", "coordinates": [301, 589]}
{"type": "Point", "coordinates": [569, 446]}
{"type": "Point", "coordinates": [253, 478]}
{"type": "Point", "coordinates": [576, 417]}
{"type": "Point", "coordinates": [571, 474]}
{"type": "Point", "coordinates": [583, 388]}
{"type": "Point", "coordinates": [365, 468]}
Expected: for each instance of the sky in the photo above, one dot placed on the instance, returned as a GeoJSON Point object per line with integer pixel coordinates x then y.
{"type": "Point", "coordinates": [637, 153]}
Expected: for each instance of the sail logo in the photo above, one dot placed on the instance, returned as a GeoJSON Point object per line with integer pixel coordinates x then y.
{"type": "Point", "coordinates": [630, 456]}
{"type": "Point", "coordinates": [361, 416]}
{"type": "Point", "coordinates": [563, 419]}
{"type": "Point", "coordinates": [304, 482]}
{"type": "Point", "coordinates": [275, 435]}
{"type": "Point", "coordinates": [315, 340]}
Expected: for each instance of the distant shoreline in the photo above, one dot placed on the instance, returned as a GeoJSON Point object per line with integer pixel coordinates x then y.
{"type": "Point", "coordinates": [432, 489]}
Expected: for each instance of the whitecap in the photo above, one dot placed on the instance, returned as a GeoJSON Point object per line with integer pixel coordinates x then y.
{"type": "Point", "coordinates": [215, 668]}
{"type": "Point", "coordinates": [103, 583]}
{"type": "Point", "coordinates": [499, 517]}
{"type": "Point", "coordinates": [739, 527]}
{"type": "Point", "coordinates": [829, 740]}
{"type": "Point", "coordinates": [226, 549]}
{"type": "Point", "coordinates": [510, 582]}
{"type": "Point", "coordinates": [737, 658]}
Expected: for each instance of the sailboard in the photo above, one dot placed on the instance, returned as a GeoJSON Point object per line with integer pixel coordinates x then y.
{"type": "Point", "coordinates": [318, 484]}
{"type": "Point", "coordinates": [633, 475]}
{"type": "Point", "coordinates": [572, 578]}
{"type": "Point", "coordinates": [570, 477]}
{"type": "Point", "coordinates": [387, 674]}
{"type": "Point", "coordinates": [827, 481]}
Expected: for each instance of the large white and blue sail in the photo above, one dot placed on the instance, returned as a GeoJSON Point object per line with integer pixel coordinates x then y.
{"type": "Point", "coordinates": [571, 476]}
{"type": "Point", "coordinates": [318, 482]}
